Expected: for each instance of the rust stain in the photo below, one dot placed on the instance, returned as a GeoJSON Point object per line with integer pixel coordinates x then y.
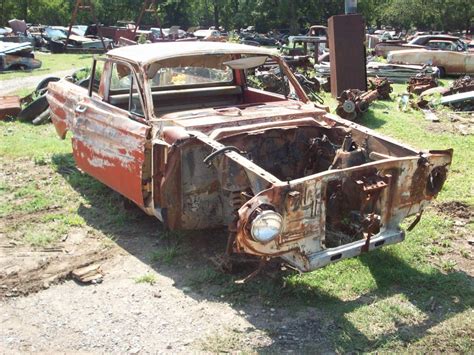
{"type": "Point", "coordinates": [288, 179]}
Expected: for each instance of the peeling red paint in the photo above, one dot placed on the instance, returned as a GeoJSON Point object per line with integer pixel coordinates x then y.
{"type": "Point", "coordinates": [337, 188]}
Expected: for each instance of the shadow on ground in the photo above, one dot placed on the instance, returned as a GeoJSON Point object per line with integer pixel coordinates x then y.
{"type": "Point", "coordinates": [306, 318]}
{"type": "Point", "coordinates": [372, 120]}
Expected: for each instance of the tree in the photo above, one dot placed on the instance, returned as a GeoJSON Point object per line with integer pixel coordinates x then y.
{"type": "Point", "coordinates": [265, 15]}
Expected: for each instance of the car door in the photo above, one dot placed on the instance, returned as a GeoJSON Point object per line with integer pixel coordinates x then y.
{"type": "Point", "coordinates": [110, 135]}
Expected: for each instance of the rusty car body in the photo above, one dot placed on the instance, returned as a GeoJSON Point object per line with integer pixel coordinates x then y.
{"type": "Point", "coordinates": [423, 41]}
{"type": "Point", "coordinates": [448, 62]}
{"type": "Point", "coordinates": [189, 141]}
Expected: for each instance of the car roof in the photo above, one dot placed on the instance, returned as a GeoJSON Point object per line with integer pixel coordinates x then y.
{"type": "Point", "coordinates": [440, 40]}
{"type": "Point", "coordinates": [441, 36]}
{"type": "Point", "coordinates": [148, 53]}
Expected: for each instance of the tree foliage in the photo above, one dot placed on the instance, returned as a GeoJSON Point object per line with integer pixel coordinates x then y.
{"type": "Point", "coordinates": [263, 14]}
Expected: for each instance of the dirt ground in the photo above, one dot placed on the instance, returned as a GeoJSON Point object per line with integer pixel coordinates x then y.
{"type": "Point", "coordinates": [12, 85]}
{"type": "Point", "coordinates": [178, 309]}
{"type": "Point", "coordinates": [177, 302]}
{"type": "Point", "coordinates": [56, 313]}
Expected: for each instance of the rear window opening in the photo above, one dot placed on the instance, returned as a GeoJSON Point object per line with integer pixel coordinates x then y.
{"type": "Point", "coordinates": [187, 77]}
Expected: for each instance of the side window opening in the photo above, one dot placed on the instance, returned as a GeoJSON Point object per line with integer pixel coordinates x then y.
{"type": "Point", "coordinates": [134, 103]}
{"type": "Point", "coordinates": [124, 90]}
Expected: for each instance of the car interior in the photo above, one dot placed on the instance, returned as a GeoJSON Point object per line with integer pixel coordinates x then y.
{"type": "Point", "coordinates": [193, 82]}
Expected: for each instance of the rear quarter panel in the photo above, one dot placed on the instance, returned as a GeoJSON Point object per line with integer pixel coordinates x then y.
{"type": "Point", "coordinates": [452, 62]}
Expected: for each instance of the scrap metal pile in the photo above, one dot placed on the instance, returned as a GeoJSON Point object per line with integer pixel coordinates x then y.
{"type": "Point", "coordinates": [353, 103]}
{"type": "Point", "coordinates": [34, 107]}
{"type": "Point", "coordinates": [453, 104]}
{"type": "Point", "coordinates": [14, 56]}
{"type": "Point", "coordinates": [459, 96]}
{"type": "Point", "coordinates": [421, 82]}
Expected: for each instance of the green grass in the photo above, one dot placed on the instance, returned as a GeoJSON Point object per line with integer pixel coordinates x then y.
{"type": "Point", "coordinates": [23, 91]}
{"type": "Point", "coordinates": [412, 128]}
{"type": "Point", "coordinates": [167, 254]}
{"type": "Point", "coordinates": [46, 191]}
{"type": "Point", "coordinates": [25, 140]}
{"type": "Point", "coordinates": [147, 278]}
{"type": "Point", "coordinates": [51, 63]}
{"type": "Point", "coordinates": [39, 239]}
{"type": "Point", "coordinates": [407, 297]}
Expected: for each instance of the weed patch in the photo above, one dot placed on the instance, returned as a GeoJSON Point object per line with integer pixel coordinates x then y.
{"type": "Point", "coordinates": [147, 278]}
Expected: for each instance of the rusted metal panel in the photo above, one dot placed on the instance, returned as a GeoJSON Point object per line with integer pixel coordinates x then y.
{"type": "Point", "coordinates": [107, 144]}
{"type": "Point", "coordinates": [318, 187]}
{"type": "Point", "coordinates": [347, 53]}
{"type": "Point", "coordinates": [9, 106]}
{"type": "Point", "coordinates": [303, 204]}
{"type": "Point", "coordinates": [451, 62]}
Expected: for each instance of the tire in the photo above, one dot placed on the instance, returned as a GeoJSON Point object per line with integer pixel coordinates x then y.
{"type": "Point", "coordinates": [84, 83]}
{"type": "Point", "coordinates": [33, 110]}
{"type": "Point", "coordinates": [43, 84]}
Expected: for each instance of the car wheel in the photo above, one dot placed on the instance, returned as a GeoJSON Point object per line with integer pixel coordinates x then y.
{"type": "Point", "coordinates": [84, 83]}
{"type": "Point", "coordinates": [43, 84]}
{"type": "Point", "coordinates": [33, 110]}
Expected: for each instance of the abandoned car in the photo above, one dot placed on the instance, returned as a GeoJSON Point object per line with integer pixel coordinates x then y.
{"type": "Point", "coordinates": [419, 42]}
{"type": "Point", "coordinates": [448, 62]}
{"type": "Point", "coordinates": [179, 131]}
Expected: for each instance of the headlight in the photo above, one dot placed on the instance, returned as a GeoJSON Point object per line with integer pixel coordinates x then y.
{"type": "Point", "coordinates": [266, 226]}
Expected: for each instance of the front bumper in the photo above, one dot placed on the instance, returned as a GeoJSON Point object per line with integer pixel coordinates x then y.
{"type": "Point", "coordinates": [328, 256]}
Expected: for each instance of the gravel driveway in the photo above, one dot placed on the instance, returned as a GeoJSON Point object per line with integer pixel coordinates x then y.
{"type": "Point", "coordinates": [12, 85]}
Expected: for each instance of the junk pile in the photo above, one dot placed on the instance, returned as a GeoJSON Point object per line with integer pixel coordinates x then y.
{"type": "Point", "coordinates": [398, 73]}
{"type": "Point", "coordinates": [270, 79]}
{"type": "Point", "coordinates": [17, 33]}
{"type": "Point", "coordinates": [463, 84]}
{"type": "Point", "coordinates": [353, 103]}
{"type": "Point", "coordinates": [17, 56]}
{"type": "Point", "coordinates": [421, 82]}
{"type": "Point", "coordinates": [57, 41]}
{"type": "Point", "coordinates": [434, 101]}
{"type": "Point", "coordinates": [36, 108]}
{"type": "Point", "coordinates": [35, 105]}
{"type": "Point", "coordinates": [459, 96]}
